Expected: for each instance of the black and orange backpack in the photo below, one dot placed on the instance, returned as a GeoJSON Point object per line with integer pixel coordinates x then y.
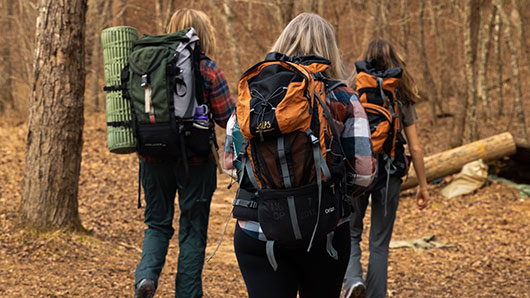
{"type": "Point", "coordinates": [378, 94]}
{"type": "Point", "coordinates": [288, 153]}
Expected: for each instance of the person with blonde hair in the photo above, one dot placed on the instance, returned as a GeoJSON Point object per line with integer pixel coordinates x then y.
{"type": "Point", "coordinates": [385, 190]}
{"type": "Point", "coordinates": [162, 179]}
{"type": "Point", "coordinates": [284, 270]}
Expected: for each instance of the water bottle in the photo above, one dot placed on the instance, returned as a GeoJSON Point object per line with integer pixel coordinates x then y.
{"type": "Point", "coordinates": [200, 119]}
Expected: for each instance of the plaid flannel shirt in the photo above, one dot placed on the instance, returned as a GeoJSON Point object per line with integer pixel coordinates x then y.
{"type": "Point", "coordinates": [216, 92]}
{"type": "Point", "coordinates": [351, 119]}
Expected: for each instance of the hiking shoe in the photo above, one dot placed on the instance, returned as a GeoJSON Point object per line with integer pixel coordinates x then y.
{"type": "Point", "coordinates": [145, 289]}
{"type": "Point", "coordinates": [358, 290]}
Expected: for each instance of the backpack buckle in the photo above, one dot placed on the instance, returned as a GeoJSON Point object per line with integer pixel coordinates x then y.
{"type": "Point", "coordinates": [145, 81]}
{"type": "Point", "coordinates": [314, 140]}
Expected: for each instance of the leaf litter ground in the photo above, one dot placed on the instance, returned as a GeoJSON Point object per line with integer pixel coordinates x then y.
{"type": "Point", "coordinates": [490, 231]}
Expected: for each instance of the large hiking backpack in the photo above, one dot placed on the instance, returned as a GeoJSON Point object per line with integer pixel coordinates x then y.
{"type": "Point", "coordinates": [292, 154]}
{"type": "Point", "coordinates": [165, 87]}
{"type": "Point", "coordinates": [377, 93]}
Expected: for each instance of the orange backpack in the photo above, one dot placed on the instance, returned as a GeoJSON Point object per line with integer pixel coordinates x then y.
{"type": "Point", "coordinates": [282, 113]}
{"type": "Point", "coordinates": [377, 93]}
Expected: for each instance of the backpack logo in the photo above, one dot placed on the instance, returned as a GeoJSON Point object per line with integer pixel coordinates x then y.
{"type": "Point", "coordinates": [329, 210]}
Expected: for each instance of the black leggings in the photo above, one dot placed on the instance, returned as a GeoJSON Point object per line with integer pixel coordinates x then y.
{"type": "Point", "coordinates": [314, 273]}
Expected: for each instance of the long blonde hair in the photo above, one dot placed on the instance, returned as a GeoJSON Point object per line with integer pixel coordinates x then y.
{"type": "Point", "coordinates": [187, 17]}
{"type": "Point", "coordinates": [308, 34]}
{"type": "Point", "coordinates": [386, 57]}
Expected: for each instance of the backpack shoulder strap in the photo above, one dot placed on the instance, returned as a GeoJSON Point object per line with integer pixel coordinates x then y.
{"type": "Point", "coordinates": [199, 80]}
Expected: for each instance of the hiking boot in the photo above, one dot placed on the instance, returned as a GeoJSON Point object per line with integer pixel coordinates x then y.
{"type": "Point", "coordinates": [358, 290]}
{"type": "Point", "coordinates": [145, 289]}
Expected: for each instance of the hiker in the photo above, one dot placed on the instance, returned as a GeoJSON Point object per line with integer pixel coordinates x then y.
{"type": "Point", "coordinates": [380, 58]}
{"type": "Point", "coordinates": [161, 179]}
{"type": "Point", "coordinates": [278, 258]}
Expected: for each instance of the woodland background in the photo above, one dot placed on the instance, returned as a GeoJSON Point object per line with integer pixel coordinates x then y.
{"type": "Point", "coordinates": [471, 60]}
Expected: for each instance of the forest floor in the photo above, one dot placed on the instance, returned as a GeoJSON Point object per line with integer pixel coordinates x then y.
{"type": "Point", "coordinates": [489, 231]}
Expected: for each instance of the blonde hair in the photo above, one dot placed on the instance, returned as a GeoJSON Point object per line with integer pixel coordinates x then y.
{"type": "Point", "coordinates": [308, 34]}
{"type": "Point", "coordinates": [386, 57]}
{"type": "Point", "coordinates": [187, 17]}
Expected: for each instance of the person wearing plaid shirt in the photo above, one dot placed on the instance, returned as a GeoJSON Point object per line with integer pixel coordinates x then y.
{"type": "Point", "coordinates": [162, 179]}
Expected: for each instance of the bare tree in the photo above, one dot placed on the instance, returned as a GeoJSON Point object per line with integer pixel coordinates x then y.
{"type": "Point", "coordinates": [101, 9]}
{"type": "Point", "coordinates": [514, 55]}
{"type": "Point", "coordinates": [482, 58]}
{"type": "Point", "coordinates": [443, 61]}
{"type": "Point", "coordinates": [404, 28]}
{"type": "Point", "coordinates": [426, 72]}
{"type": "Point", "coordinates": [227, 17]}
{"type": "Point", "coordinates": [497, 39]}
{"type": "Point", "coordinates": [370, 24]}
{"type": "Point", "coordinates": [119, 8]}
{"type": "Point", "coordinates": [54, 144]}
{"type": "Point", "coordinates": [163, 11]}
{"type": "Point", "coordinates": [522, 23]}
{"type": "Point", "coordinates": [6, 67]}
{"type": "Point", "coordinates": [472, 22]}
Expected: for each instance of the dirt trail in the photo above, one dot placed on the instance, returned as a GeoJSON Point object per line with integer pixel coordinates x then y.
{"type": "Point", "coordinates": [490, 230]}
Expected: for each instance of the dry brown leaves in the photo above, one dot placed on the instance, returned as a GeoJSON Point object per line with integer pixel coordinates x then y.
{"type": "Point", "coordinates": [489, 228]}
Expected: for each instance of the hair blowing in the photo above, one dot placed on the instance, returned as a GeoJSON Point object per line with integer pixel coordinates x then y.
{"type": "Point", "coordinates": [309, 34]}
{"type": "Point", "coordinates": [187, 17]}
{"type": "Point", "coordinates": [386, 57]}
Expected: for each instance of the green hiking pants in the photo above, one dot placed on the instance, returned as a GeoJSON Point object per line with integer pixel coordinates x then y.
{"type": "Point", "coordinates": [161, 181]}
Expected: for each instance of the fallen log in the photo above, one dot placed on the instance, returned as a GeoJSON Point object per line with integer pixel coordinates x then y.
{"type": "Point", "coordinates": [451, 161]}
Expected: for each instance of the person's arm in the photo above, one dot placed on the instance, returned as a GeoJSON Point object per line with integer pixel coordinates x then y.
{"type": "Point", "coordinates": [216, 92]}
{"type": "Point", "coordinates": [228, 152]}
{"type": "Point", "coordinates": [422, 195]}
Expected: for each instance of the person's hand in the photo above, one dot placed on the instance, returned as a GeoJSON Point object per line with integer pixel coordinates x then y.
{"type": "Point", "coordinates": [228, 159]}
{"type": "Point", "coordinates": [422, 198]}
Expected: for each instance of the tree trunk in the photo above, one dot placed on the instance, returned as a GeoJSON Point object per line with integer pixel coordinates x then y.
{"type": "Point", "coordinates": [452, 161]}
{"type": "Point", "coordinates": [482, 60]}
{"type": "Point", "coordinates": [457, 81]}
{"type": "Point", "coordinates": [54, 143]}
{"type": "Point", "coordinates": [471, 26]}
{"type": "Point", "coordinates": [442, 69]}
{"type": "Point", "coordinates": [514, 55]}
{"type": "Point", "coordinates": [96, 63]}
{"type": "Point", "coordinates": [524, 24]}
{"type": "Point", "coordinates": [369, 25]}
{"type": "Point", "coordinates": [404, 28]}
{"type": "Point", "coordinates": [227, 16]}
{"type": "Point", "coordinates": [6, 67]}
{"type": "Point", "coordinates": [164, 9]}
{"type": "Point", "coordinates": [424, 61]}
{"type": "Point", "coordinates": [119, 8]}
{"type": "Point", "coordinates": [497, 39]}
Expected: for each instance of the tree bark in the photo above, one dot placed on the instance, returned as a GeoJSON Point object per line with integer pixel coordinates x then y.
{"type": "Point", "coordinates": [424, 61]}
{"type": "Point", "coordinates": [452, 161]}
{"type": "Point", "coordinates": [404, 28]}
{"type": "Point", "coordinates": [514, 55]}
{"type": "Point", "coordinates": [482, 60]}
{"type": "Point", "coordinates": [54, 143]}
{"type": "Point", "coordinates": [472, 22]}
{"type": "Point", "coordinates": [119, 8]}
{"type": "Point", "coordinates": [96, 64]}
{"type": "Point", "coordinates": [443, 75]}
{"type": "Point", "coordinates": [6, 67]}
{"type": "Point", "coordinates": [497, 39]}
